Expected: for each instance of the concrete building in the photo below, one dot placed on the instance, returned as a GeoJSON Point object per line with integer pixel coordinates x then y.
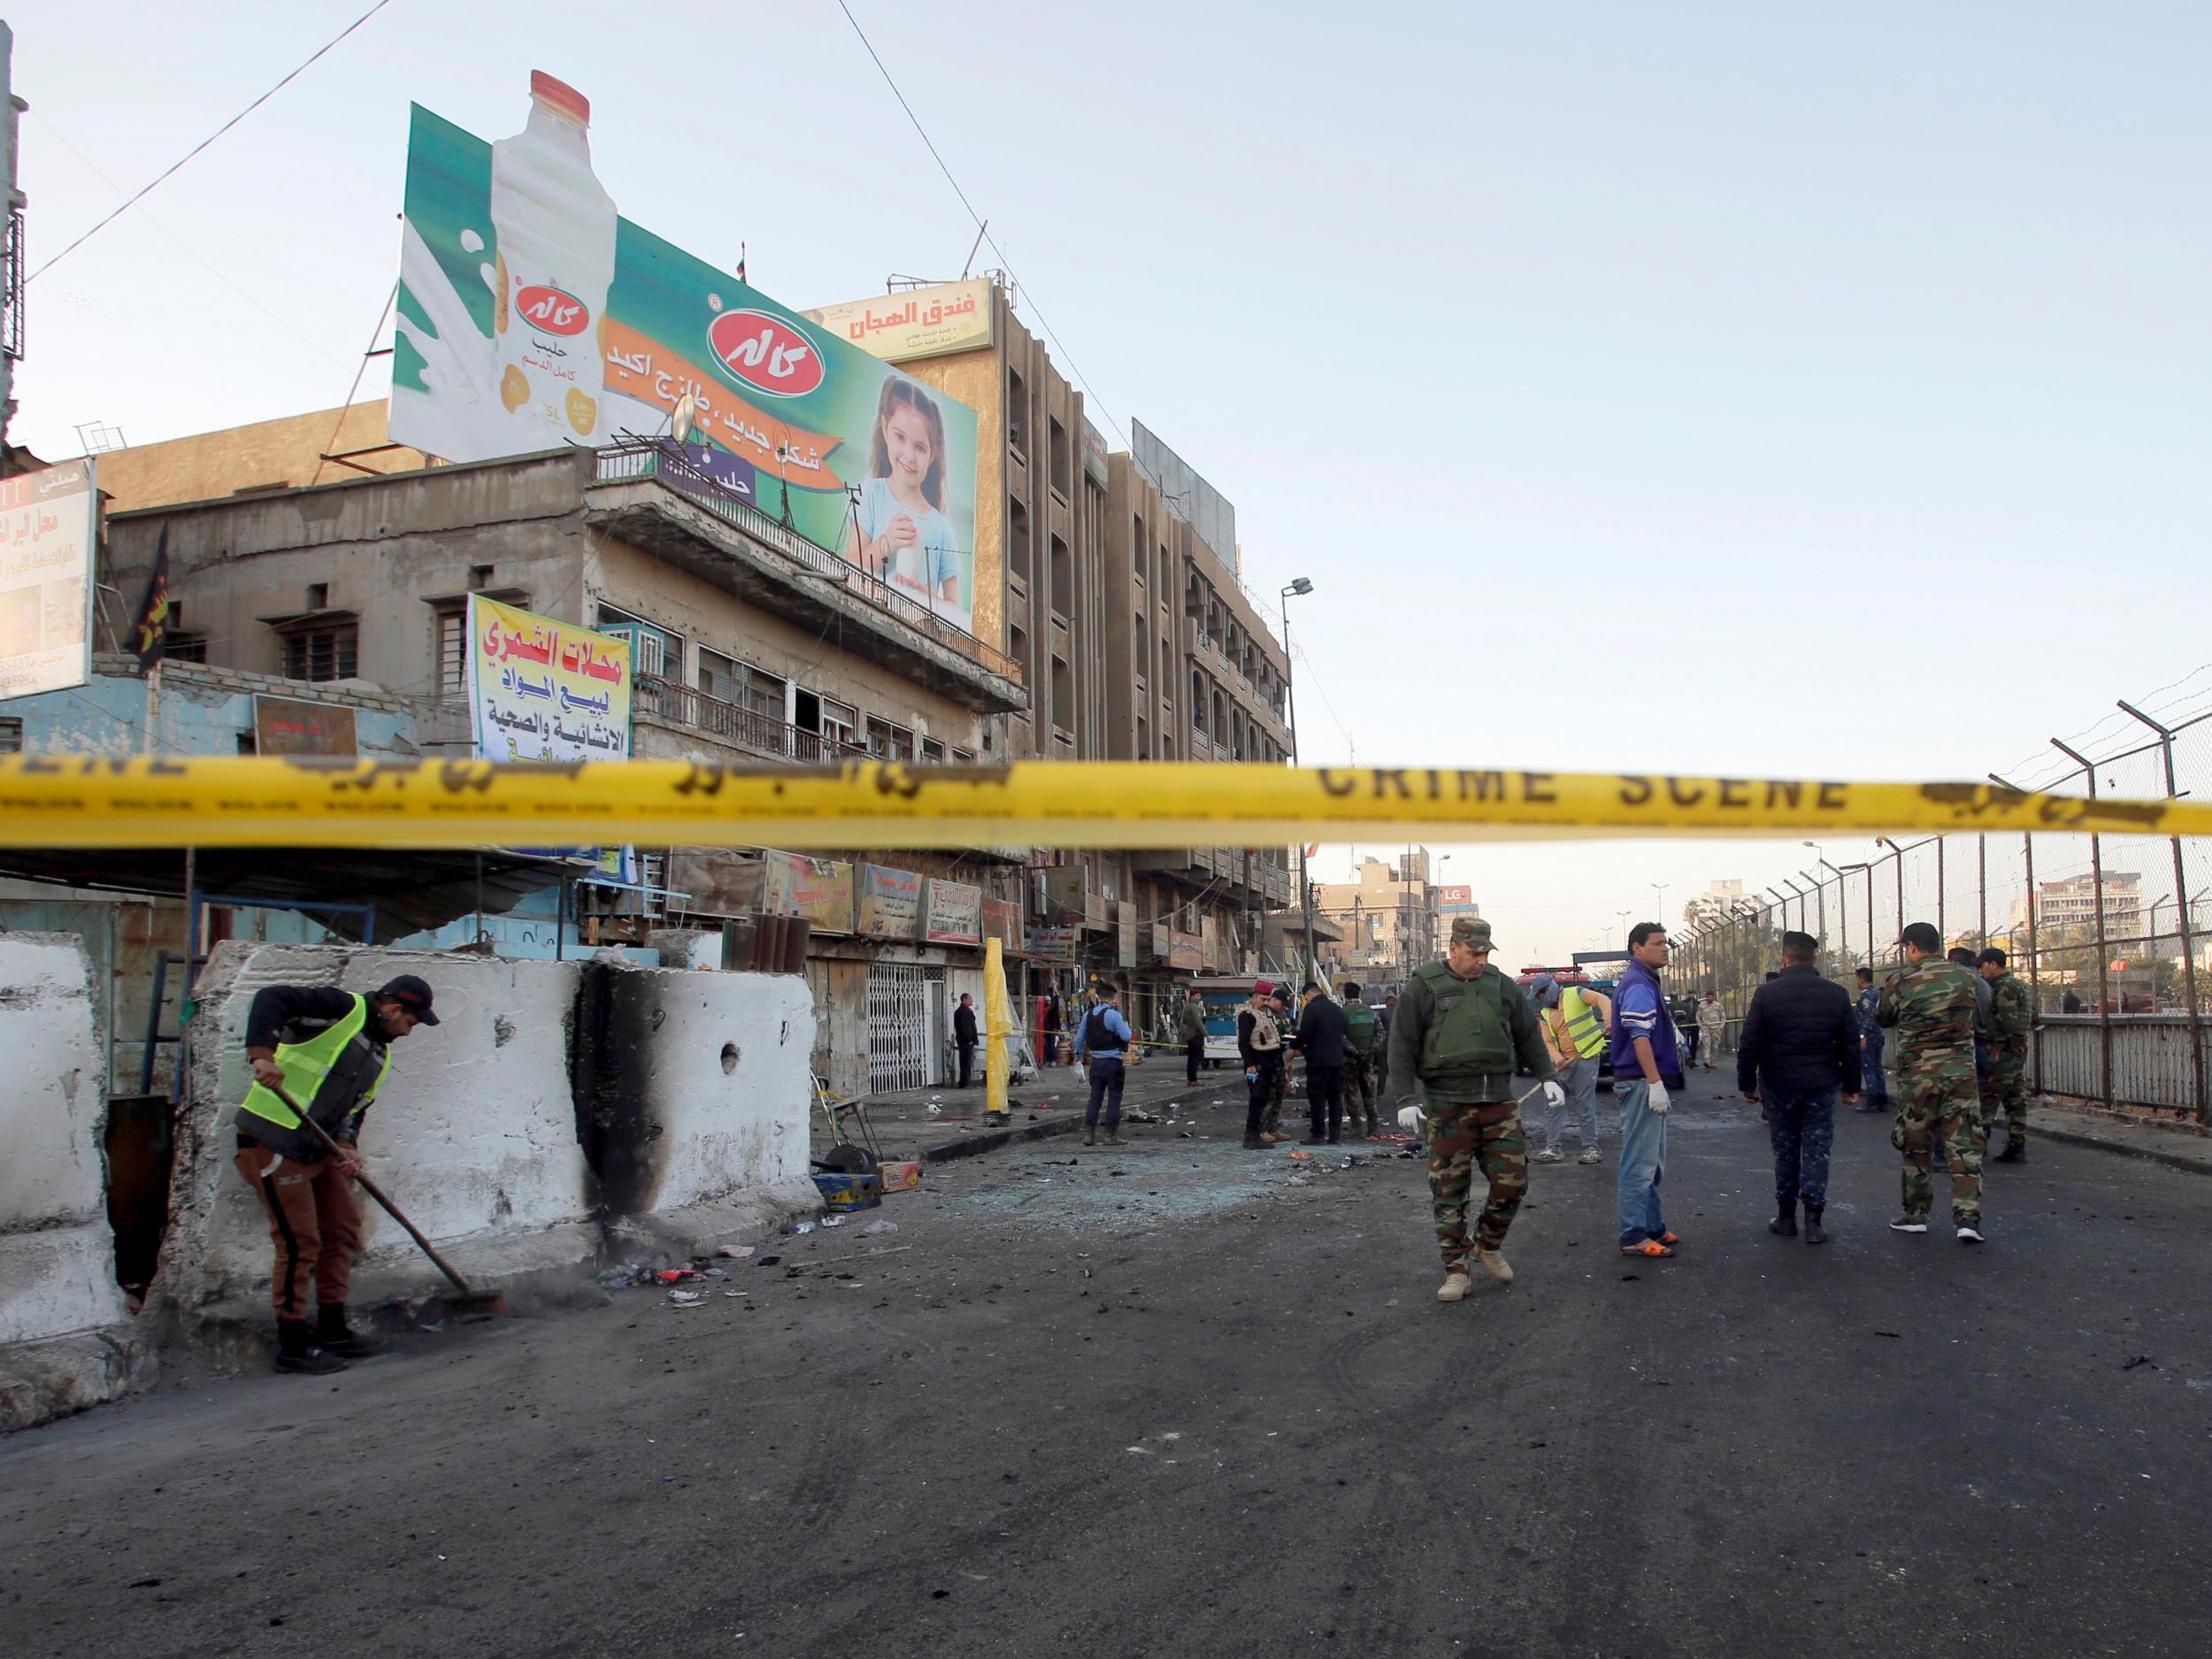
{"type": "Point", "coordinates": [1388, 915]}
{"type": "Point", "coordinates": [749, 644]}
{"type": "Point", "coordinates": [1131, 632]}
{"type": "Point", "coordinates": [2069, 906]}
{"type": "Point", "coordinates": [1719, 900]}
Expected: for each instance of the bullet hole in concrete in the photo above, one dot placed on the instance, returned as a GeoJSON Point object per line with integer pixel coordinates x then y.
{"type": "Point", "coordinates": [659, 1014]}
{"type": "Point", "coordinates": [503, 1032]}
{"type": "Point", "coordinates": [729, 1058]}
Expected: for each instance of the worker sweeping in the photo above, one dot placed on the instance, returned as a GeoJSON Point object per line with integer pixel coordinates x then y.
{"type": "Point", "coordinates": [330, 1050]}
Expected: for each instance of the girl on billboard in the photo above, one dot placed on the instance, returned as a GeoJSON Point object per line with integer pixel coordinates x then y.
{"type": "Point", "coordinates": [899, 531]}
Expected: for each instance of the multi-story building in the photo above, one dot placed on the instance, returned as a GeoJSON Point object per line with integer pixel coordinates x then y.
{"type": "Point", "coordinates": [1132, 631]}
{"type": "Point", "coordinates": [1452, 903]}
{"type": "Point", "coordinates": [749, 643]}
{"type": "Point", "coordinates": [1720, 899]}
{"type": "Point", "coordinates": [1387, 915]}
{"type": "Point", "coordinates": [2069, 906]}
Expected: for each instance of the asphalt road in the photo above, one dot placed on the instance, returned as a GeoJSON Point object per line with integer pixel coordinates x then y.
{"type": "Point", "coordinates": [1166, 1401]}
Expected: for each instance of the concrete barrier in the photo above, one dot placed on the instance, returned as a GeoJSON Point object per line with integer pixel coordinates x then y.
{"type": "Point", "coordinates": [552, 1102]}
{"type": "Point", "coordinates": [57, 1251]}
{"type": "Point", "coordinates": [65, 1340]}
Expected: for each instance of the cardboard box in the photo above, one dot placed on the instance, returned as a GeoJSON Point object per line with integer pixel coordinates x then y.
{"type": "Point", "coordinates": [900, 1178]}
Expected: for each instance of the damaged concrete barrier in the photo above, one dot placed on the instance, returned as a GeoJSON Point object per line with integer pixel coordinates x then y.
{"type": "Point", "coordinates": [66, 1336]}
{"type": "Point", "coordinates": [554, 1103]}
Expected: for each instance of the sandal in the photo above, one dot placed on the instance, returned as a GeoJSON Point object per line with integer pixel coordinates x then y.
{"type": "Point", "coordinates": [1669, 1238]}
{"type": "Point", "coordinates": [1649, 1247]}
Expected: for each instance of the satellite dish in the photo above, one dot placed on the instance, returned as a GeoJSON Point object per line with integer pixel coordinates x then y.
{"type": "Point", "coordinates": [685, 417]}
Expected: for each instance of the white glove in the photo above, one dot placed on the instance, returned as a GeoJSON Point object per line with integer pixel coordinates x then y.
{"type": "Point", "coordinates": [1555, 1096]}
{"type": "Point", "coordinates": [1656, 1102]}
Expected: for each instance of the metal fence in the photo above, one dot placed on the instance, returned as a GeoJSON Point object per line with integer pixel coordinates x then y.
{"type": "Point", "coordinates": [2112, 934]}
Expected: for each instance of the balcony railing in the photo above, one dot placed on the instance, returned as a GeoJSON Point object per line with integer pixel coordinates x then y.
{"type": "Point", "coordinates": [665, 700]}
{"type": "Point", "coordinates": [634, 459]}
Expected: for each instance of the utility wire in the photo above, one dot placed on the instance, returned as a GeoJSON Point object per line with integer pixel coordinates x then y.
{"type": "Point", "coordinates": [146, 189]}
{"type": "Point", "coordinates": [983, 229]}
{"type": "Point", "coordinates": [211, 268]}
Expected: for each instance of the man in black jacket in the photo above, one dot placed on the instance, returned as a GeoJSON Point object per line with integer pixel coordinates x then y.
{"type": "Point", "coordinates": [963, 1036]}
{"type": "Point", "coordinates": [1800, 1049]}
{"type": "Point", "coordinates": [1321, 1040]}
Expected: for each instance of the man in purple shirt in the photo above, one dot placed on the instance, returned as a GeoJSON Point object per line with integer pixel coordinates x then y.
{"type": "Point", "coordinates": [1646, 1065]}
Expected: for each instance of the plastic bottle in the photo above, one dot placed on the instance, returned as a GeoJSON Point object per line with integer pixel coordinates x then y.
{"type": "Point", "coordinates": [556, 227]}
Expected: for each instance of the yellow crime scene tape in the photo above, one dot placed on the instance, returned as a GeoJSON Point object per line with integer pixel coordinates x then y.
{"type": "Point", "coordinates": [52, 802]}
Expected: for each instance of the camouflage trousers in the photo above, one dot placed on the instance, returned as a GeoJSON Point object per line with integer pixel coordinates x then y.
{"type": "Point", "coordinates": [1359, 1085]}
{"type": "Point", "coordinates": [1942, 1107]}
{"type": "Point", "coordinates": [1278, 1090]}
{"type": "Point", "coordinates": [1456, 1144]}
{"type": "Point", "coordinates": [2007, 1093]}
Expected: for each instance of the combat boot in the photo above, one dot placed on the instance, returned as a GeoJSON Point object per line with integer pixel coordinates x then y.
{"type": "Point", "coordinates": [1814, 1233]}
{"type": "Point", "coordinates": [296, 1353]}
{"type": "Point", "coordinates": [1495, 1265]}
{"type": "Point", "coordinates": [334, 1335]}
{"type": "Point", "coordinates": [1090, 1136]}
{"type": "Point", "coordinates": [2016, 1151]}
{"type": "Point", "coordinates": [1785, 1223]}
{"type": "Point", "coordinates": [1455, 1283]}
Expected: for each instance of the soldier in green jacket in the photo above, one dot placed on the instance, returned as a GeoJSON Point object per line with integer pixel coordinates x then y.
{"type": "Point", "coordinates": [1457, 1034]}
{"type": "Point", "coordinates": [1930, 1004]}
{"type": "Point", "coordinates": [2011, 1017]}
{"type": "Point", "coordinates": [1361, 1033]}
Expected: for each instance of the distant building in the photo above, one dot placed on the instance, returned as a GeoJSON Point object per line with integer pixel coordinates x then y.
{"type": "Point", "coordinates": [1719, 899]}
{"type": "Point", "coordinates": [2071, 904]}
{"type": "Point", "coordinates": [1387, 915]}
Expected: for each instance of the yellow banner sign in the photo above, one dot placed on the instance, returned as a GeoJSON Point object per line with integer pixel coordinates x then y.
{"type": "Point", "coordinates": [921, 323]}
{"type": "Point", "coordinates": [94, 800]}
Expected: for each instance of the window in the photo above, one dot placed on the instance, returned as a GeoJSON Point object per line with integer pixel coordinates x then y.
{"type": "Point", "coordinates": [655, 653]}
{"type": "Point", "coordinates": [1062, 578]}
{"type": "Point", "coordinates": [835, 721]}
{"type": "Point", "coordinates": [450, 631]}
{"type": "Point", "coordinates": [11, 735]}
{"type": "Point", "coordinates": [932, 750]}
{"type": "Point", "coordinates": [1017, 410]}
{"type": "Point", "coordinates": [318, 595]}
{"type": "Point", "coordinates": [1017, 538]}
{"type": "Point", "coordinates": [886, 741]}
{"type": "Point", "coordinates": [187, 647]}
{"type": "Point", "coordinates": [326, 651]}
{"type": "Point", "coordinates": [963, 757]}
{"type": "Point", "coordinates": [1058, 435]}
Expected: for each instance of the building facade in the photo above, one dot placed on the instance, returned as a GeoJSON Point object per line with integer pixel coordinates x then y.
{"type": "Point", "coordinates": [1133, 635]}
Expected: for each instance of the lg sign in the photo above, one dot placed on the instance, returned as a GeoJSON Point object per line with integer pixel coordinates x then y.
{"type": "Point", "coordinates": [765, 353]}
{"type": "Point", "coordinates": [552, 312]}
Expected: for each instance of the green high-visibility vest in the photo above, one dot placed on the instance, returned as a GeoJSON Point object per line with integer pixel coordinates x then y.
{"type": "Point", "coordinates": [307, 1065]}
{"type": "Point", "coordinates": [1584, 1029]}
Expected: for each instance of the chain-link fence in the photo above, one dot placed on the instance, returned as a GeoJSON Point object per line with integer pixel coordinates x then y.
{"type": "Point", "coordinates": [2112, 934]}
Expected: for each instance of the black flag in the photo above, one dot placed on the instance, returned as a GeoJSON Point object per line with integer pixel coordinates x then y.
{"type": "Point", "coordinates": [150, 634]}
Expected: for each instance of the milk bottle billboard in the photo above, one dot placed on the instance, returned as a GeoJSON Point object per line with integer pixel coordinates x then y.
{"type": "Point", "coordinates": [554, 267]}
{"type": "Point", "coordinates": [531, 315]}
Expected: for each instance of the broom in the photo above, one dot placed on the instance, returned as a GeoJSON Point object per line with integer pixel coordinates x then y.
{"type": "Point", "coordinates": [465, 1304]}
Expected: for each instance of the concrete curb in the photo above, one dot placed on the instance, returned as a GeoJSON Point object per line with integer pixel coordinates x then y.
{"type": "Point", "coordinates": [992, 1140]}
{"type": "Point", "coordinates": [2198, 1164]}
{"type": "Point", "coordinates": [60, 1375]}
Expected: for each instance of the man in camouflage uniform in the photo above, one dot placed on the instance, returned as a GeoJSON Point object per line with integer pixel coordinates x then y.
{"type": "Point", "coordinates": [1458, 1032]}
{"type": "Point", "coordinates": [1931, 1006]}
{"type": "Point", "coordinates": [2011, 1017]}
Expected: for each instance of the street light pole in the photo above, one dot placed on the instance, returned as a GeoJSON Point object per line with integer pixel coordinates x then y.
{"type": "Point", "coordinates": [1299, 587]}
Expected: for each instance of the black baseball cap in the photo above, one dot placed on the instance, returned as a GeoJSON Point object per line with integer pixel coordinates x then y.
{"type": "Point", "coordinates": [411, 994]}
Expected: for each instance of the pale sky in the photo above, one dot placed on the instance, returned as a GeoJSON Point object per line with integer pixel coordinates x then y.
{"type": "Point", "coordinates": [1775, 391]}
